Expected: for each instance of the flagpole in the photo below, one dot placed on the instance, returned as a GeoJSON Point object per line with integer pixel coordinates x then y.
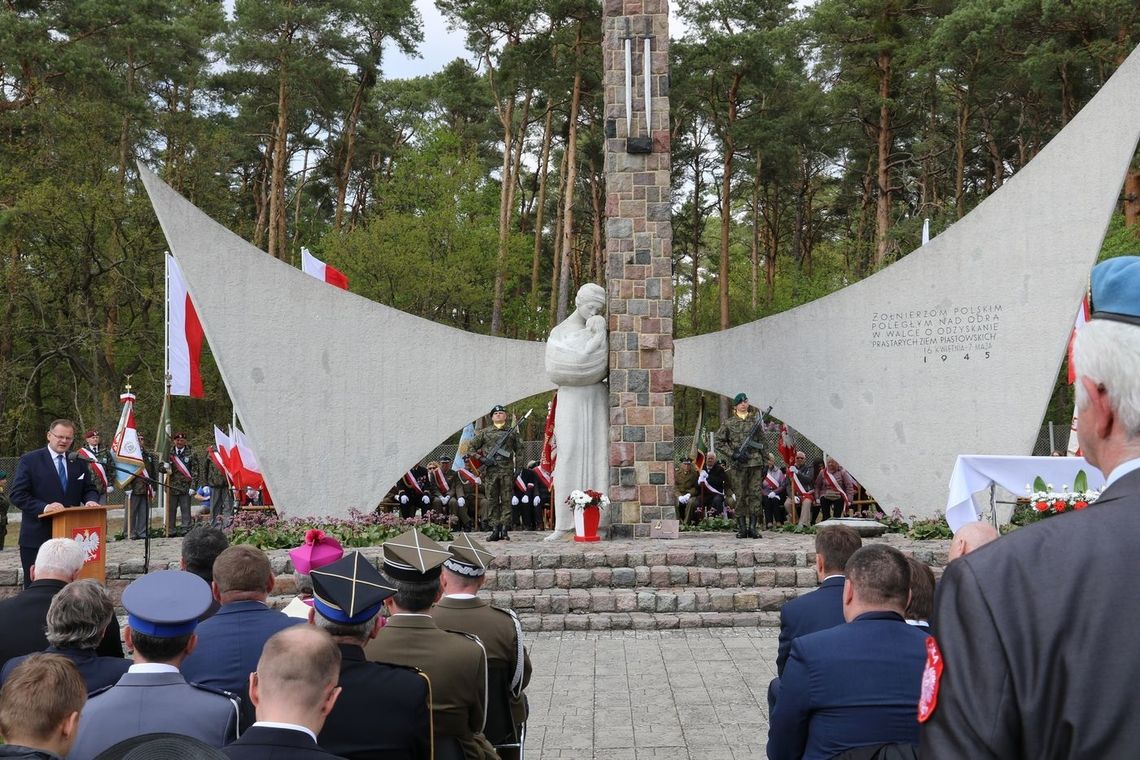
{"type": "Point", "coordinates": [159, 439]}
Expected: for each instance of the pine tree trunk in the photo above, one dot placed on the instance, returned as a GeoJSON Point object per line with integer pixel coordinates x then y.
{"type": "Point", "coordinates": [344, 170]}
{"type": "Point", "coordinates": [883, 198]}
{"type": "Point", "coordinates": [540, 203]}
{"type": "Point", "coordinates": [1132, 197]}
{"type": "Point", "coordinates": [277, 179]}
{"type": "Point", "coordinates": [568, 199]}
{"type": "Point", "coordinates": [505, 200]}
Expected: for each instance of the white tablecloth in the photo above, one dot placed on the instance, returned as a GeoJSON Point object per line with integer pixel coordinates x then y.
{"type": "Point", "coordinates": [974, 472]}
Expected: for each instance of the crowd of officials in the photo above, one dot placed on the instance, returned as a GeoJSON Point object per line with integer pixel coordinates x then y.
{"type": "Point", "coordinates": [405, 661]}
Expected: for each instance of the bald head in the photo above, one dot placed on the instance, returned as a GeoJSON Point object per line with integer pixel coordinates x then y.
{"type": "Point", "coordinates": [971, 536]}
{"type": "Point", "coordinates": [296, 678]}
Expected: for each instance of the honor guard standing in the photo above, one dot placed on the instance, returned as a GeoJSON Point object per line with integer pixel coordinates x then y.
{"type": "Point", "coordinates": [141, 489]}
{"type": "Point", "coordinates": [162, 612]}
{"type": "Point", "coordinates": [497, 446]}
{"type": "Point", "coordinates": [96, 453]}
{"type": "Point", "coordinates": [461, 609]}
{"type": "Point", "coordinates": [221, 499]}
{"type": "Point", "coordinates": [447, 493]}
{"type": "Point", "coordinates": [183, 475]}
{"type": "Point", "coordinates": [738, 444]}
{"type": "Point", "coordinates": [455, 663]}
{"type": "Point", "coordinates": [383, 710]}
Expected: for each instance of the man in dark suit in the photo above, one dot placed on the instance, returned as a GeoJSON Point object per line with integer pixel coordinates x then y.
{"type": "Point", "coordinates": [24, 616]}
{"type": "Point", "coordinates": [857, 684]}
{"type": "Point", "coordinates": [1035, 631]}
{"type": "Point", "coordinates": [230, 642]}
{"type": "Point", "coordinates": [819, 609]}
{"type": "Point", "coordinates": [76, 623]}
{"type": "Point", "coordinates": [454, 662]}
{"type": "Point", "coordinates": [293, 690]}
{"type": "Point", "coordinates": [383, 710]}
{"type": "Point", "coordinates": [163, 608]}
{"type": "Point", "coordinates": [48, 480]}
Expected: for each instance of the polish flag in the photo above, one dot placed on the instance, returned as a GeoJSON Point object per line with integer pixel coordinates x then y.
{"type": "Point", "coordinates": [469, 477]}
{"type": "Point", "coordinates": [313, 266]}
{"type": "Point", "coordinates": [184, 336]}
{"type": "Point", "coordinates": [246, 461]}
{"type": "Point", "coordinates": [1082, 318]}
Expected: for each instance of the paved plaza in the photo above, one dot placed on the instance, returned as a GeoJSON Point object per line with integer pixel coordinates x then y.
{"type": "Point", "coordinates": [697, 693]}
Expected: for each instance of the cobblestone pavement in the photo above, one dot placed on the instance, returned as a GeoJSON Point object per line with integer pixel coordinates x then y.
{"type": "Point", "coordinates": [626, 695]}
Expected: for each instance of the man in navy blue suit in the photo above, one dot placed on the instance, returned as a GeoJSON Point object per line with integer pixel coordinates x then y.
{"type": "Point", "coordinates": [48, 480]}
{"type": "Point", "coordinates": [822, 608]}
{"type": "Point", "coordinates": [858, 684]}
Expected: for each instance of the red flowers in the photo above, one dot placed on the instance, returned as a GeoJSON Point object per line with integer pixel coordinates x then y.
{"type": "Point", "coordinates": [1080, 504]}
{"type": "Point", "coordinates": [1041, 506]}
{"type": "Point", "coordinates": [1060, 505]}
{"type": "Point", "coordinates": [314, 536]}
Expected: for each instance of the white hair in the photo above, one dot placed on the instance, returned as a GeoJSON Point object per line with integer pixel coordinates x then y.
{"type": "Point", "coordinates": [1108, 354]}
{"type": "Point", "coordinates": [59, 556]}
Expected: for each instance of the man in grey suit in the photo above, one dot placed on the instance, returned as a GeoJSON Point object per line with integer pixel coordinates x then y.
{"type": "Point", "coordinates": [1036, 637]}
{"type": "Point", "coordinates": [163, 609]}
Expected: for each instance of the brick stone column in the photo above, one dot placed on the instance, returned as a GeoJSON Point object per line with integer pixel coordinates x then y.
{"type": "Point", "coordinates": [639, 279]}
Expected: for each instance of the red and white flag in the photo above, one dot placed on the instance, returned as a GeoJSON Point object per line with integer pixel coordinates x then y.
{"type": "Point", "coordinates": [184, 336]}
{"type": "Point", "coordinates": [1074, 447]}
{"type": "Point", "coordinates": [313, 266]}
{"type": "Point", "coordinates": [220, 455]}
{"type": "Point", "coordinates": [469, 477]}
{"type": "Point", "coordinates": [244, 464]}
{"type": "Point", "coordinates": [786, 445]}
{"type": "Point", "coordinates": [549, 458]}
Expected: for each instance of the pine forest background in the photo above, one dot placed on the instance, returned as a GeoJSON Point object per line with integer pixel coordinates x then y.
{"type": "Point", "coordinates": [809, 144]}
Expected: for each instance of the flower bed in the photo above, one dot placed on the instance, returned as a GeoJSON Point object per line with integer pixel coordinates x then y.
{"type": "Point", "coordinates": [268, 531]}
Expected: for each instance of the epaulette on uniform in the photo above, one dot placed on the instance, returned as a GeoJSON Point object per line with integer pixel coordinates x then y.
{"type": "Point", "coordinates": [99, 691]}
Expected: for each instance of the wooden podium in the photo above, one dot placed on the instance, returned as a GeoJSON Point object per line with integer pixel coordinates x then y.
{"type": "Point", "coordinates": [88, 527]}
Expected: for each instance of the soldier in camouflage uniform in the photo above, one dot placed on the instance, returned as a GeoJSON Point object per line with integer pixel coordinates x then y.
{"type": "Point", "coordinates": [498, 472]}
{"type": "Point", "coordinates": [453, 501]}
{"type": "Point", "coordinates": [746, 473]}
{"type": "Point", "coordinates": [182, 487]}
{"type": "Point", "coordinates": [221, 498]}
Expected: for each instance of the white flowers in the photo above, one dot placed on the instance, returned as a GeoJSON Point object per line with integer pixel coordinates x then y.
{"type": "Point", "coordinates": [579, 499]}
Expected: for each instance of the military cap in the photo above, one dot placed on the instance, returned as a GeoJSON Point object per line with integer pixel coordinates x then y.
{"type": "Point", "coordinates": [498, 408]}
{"type": "Point", "coordinates": [166, 604]}
{"type": "Point", "coordinates": [178, 435]}
{"type": "Point", "coordinates": [686, 460]}
{"type": "Point", "coordinates": [738, 398]}
{"type": "Point", "coordinates": [468, 557]}
{"type": "Point", "coordinates": [412, 556]}
{"type": "Point", "coordinates": [1116, 290]}
{"type": "Point", "coordinates": [318, 550]}
{"type": "Point", "coordinates": [350, 590]}
{"type": "Point", "coordinates": [90, 433]}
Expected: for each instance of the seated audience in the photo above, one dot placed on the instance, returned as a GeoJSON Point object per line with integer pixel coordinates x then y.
{"type": "Point", "coordinates": [200, 547]}
{"type": "Point", "coordinates": [318, 550]}
{"type": "Point", "coordinates": [163, 609]}
{"type": "Point", "coordinates": [921, 604]}
{"type": "Point", "coordinates": [384, 711]}
{"type": "Point", "coordinates": [39, 708]}
{"type": "Point", "coordinates": [856, 684]}
{"type": "Point", "coordinates": [292, 690]}
{"type": "Point", "coordinates": [971, 536]}
{"type": "Point", "coordinates": [455, 663]}
{"type": "Point", "coordinates": [76, 621]}
{"type": "Point", "coordinates": [229, 643]}
{"type": "Point", "coordinates": [58, 562]}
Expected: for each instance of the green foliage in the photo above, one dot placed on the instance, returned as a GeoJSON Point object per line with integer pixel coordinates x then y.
{"type": "Point", "coordinates": [935, 528]}
{"type": "Point", "coordinates": [712, 525]}
{"type": "Point", "coordinates": [267, 531]}
{"type": "Point", "coordinates": [806, 530]}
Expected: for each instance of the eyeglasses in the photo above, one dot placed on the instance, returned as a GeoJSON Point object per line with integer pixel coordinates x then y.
{"type": "Point", "coordinates": [62, 437]}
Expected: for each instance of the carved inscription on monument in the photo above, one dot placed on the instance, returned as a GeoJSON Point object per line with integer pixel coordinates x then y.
{"type": "Point", "coordinates": [938, 333]}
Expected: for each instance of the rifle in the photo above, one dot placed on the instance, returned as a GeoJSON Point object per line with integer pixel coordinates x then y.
{"type": "Point", "coordinates": [741, 455]}
{"type": "Point", "coordinates": [495, 451]}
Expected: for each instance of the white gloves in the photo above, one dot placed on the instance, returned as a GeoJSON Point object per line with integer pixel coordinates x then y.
{"type": "Point", "coordinates": [684, 498]}
{"type": "Point", "coordinates": [191, 491]}
{"type": "Point", "coordinates": [425, 499]}
{"type": "Point", "coordinates": [403, 498]}
{"type": "Point", "coordinates": [444, 499]}
{"type": "Point", "coordinates": [537, 499]}
{"type": "Point", "coordinates": [461, 502]}
{"type": "Point", "coordinates": [526, 500]}
{"type": "Point", "coordinates": [514, 501]}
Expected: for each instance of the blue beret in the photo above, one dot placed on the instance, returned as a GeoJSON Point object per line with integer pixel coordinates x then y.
{"type": "Point", "coordinates": [167, 603]}
{"type": "Point", "coordinates": [1116, 290]}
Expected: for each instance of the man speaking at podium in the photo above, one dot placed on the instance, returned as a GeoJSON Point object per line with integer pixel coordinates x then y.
{"type": "Point", "coordinates": [48, 480]}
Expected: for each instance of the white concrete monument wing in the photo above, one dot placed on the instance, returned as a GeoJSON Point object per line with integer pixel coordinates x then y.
{"type": "Point", "coordinates": [955, 348]}
{"type": "Point", "coordinates": [340, 395]}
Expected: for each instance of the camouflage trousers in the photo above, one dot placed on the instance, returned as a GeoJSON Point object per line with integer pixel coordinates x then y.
{"type": "Point", "coordinates": [497, 492]}
{"type": "Point", "coordinates": [745, 483]}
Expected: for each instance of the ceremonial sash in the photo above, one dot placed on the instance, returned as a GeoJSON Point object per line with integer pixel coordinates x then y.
{"type": "Point", "coordinates": [99, 471]}
{"type": "Point", "coordinates": [520, 483]}
{"type": "Point", "coordinates": [703, 481]}
{"type": "Point", "coordinates": [440, 480]}
{"type": "Point", "coordinates": [411, 482]}
{"type": "Point", "coordinates": [770, 481]}
{"type": "Point", "coordinates": [544, 475]}
{"type": "Point", "coordinates": [798, 488]}
{"type": "Point", "coordinates": [827, 476]}
{"type": "Point", "coordinates": [180, 466]}
{"type": "Point", "coordinates": [85, 453]}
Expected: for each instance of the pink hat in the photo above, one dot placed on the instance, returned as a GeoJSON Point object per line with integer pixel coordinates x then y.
{"type": "Point", "coordinates": [317, 551]}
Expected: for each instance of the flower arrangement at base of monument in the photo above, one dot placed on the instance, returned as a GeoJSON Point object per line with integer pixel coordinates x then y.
{"type": "Point", "coordinates": [1045, 501]}
{"type": "Point", "coordinates": [587, 506]}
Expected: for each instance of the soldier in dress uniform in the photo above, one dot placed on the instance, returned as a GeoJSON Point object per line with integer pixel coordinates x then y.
{"type": "Point", "coordinates": [447, 493]}
{"type": "Point", "coordinates": [461, 609]}
{"type": "Point", "coordinates": [96, 453]}
{"type": "Point", "coordinates": [454, 662]}
{"type": "Point", "coordinates": [743, 457]}
{"type": "Point", "coordinates": [141, 489]}
{"type": "Point", "coordinates": [498, 470]}
{"type": "Point", "coordinates": [181, 486]}
{"type": "Point", "coordinates": [384, 710]}
{"type": "Point", "coordinates": [163, 609]}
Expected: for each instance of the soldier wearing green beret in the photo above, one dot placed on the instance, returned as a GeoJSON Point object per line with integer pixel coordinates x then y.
{"type": "Point", "coordinates": [739, 446]}
{"type": "Point", "coordinates": [497, 445]}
